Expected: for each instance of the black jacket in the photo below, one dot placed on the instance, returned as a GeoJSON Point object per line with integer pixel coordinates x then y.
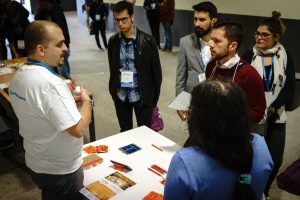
{"type": "Point", "coordinates": [55, 15]}
{"type": "Point", "coordinates": [100, 9]}
{"type": "Point", "coordinates": [146, 62]}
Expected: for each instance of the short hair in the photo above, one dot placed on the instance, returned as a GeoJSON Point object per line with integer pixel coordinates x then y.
{"type": "Point", "coordinates": [37, 34]}
{"type": "Point", "coordinates": [219, 123]}
{"type": "Point", "coordinates": [207, 6]}
{"type": "Point", "coordinates": [274, 23]}
{"type": "Point", "coordinates": [123, 5]}
{"type": "Point", "coordinates": [233, 31]}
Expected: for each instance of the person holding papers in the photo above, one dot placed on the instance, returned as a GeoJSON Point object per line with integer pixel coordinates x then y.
{"type": "Point", "coordinates": [49, 121]}
{"type": "Point", "coordinates": [221, 160]}
{"type": "Point", "coordinates": [194, 51]}
{"type": "Point", "coordinates": [226, 38]}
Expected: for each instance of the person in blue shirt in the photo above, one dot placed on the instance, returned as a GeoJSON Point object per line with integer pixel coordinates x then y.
{"type": "Point", "coordinates": [220, 159]}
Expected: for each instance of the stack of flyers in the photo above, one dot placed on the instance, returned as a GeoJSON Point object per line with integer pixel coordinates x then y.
{"type": "Point", "coordinates": [107, 187]}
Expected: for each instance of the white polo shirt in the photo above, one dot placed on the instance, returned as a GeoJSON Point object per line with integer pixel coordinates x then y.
{"type": "Point", "coordinates": [45, 108]}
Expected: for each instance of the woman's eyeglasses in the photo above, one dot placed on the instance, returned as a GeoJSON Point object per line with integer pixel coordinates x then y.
{"type": "Point", "coordinates": [262, 35]}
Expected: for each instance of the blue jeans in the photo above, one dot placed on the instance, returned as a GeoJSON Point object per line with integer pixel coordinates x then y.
{"type": "Point", "coordinates": [167, 35]}
{"type": "Point", "coordinates": [65, 69]}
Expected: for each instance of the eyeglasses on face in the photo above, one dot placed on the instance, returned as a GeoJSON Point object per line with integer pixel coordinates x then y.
{"type": "Point", "coordinates": [262, 35]}
{"type": "Point", "coordinates": [123, 20]}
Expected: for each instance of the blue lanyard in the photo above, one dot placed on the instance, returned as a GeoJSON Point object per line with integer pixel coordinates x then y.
{"type": "Point", "coordinates": [267, 81]}
{"type": "Point", "coordinates": [42, 65]}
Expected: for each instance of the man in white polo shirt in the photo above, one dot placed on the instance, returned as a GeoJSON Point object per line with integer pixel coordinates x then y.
{"type": "Point", "coordinates": [49, 121]}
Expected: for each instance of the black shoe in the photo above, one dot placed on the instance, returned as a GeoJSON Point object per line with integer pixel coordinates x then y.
{"type": "Point", "coordinates": [6, 144]}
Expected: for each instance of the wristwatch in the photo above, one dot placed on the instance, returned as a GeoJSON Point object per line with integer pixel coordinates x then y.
{"type": "Point", "coordinates": [89, 100]}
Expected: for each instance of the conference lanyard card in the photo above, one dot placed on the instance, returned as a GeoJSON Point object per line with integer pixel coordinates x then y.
{"type": "Point", "coordinates": [129, 149]}
{"type": "Point", "coordinates": [153, 6]}
{"type": "Point", "coordinates": [21, 44]}
{"type": "Point", "coordinates": [201, 77]}
{"type": "Point", "coordinates": [126, 79]}
{"type": "Point", "coordinates": [97, 17]}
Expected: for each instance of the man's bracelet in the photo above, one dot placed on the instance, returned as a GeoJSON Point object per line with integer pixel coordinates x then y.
{"type": "Point", "coordinates": [89, 100]}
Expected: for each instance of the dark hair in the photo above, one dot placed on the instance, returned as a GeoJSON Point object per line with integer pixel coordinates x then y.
{"type": "Point", "coordinates": [219, 123]}
{"type": "Point", "coordinates": [49, 1]}
{"type": "Point", "coordinates": [36, 34]}
{"type": "Point", "coordinates": [274, 23]}
{"type": "Point", "coordinates": [233, 31]}
{"type": "Point", "coordinates": [206, 6]}
{"type": "Point", "coordinates": [123, 5]}
{"type": "Point", "coordinates": [12, 9]}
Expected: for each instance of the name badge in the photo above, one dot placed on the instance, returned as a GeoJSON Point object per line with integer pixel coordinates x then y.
{"type": "Point", "coordinates": [21, 44]}
{"type": "Point", "coordinates": [153, 6]}
{"type": "Point", "coordinates": [201, 77]}
{"type": "Point", "coordinates": [269, 98]}
{"type": "Point", "coordinates": [97, 17]}
{"type": "Point", "coordinates": [126, 79]}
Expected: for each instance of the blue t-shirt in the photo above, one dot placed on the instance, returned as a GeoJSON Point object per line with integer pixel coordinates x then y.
{"type": "Point", "coordinates": [193, 174]}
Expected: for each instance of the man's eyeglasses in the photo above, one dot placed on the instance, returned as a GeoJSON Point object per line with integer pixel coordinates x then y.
{"type": "Point", "coordinates": [123, 20]}
{"type": "Point", "coordinates": [262, 35]}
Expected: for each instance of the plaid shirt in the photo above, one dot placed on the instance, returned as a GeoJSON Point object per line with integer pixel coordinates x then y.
{"type": "Point", "coordinates": [127, 63]}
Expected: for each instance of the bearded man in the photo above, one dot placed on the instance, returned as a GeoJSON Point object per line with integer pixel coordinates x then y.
{"type": "Point", "coordinates": [194, 51]}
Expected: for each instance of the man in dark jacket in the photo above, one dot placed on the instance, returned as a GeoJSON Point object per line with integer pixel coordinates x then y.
{"type": "Point", "coordinates": [166, 14]}
{"type": "Point", "coordinates": [152, 11]}
{"type": "Point", "coordinates": [135, 70]}
{"type": "Point", "coordinates": [51, 11]}
{"type": "Point", "coordinates": [14, 24]}
{"type": "Point", "coordinates": [98, 13]}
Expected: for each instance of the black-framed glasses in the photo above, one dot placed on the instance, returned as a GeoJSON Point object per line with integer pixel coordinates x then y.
{"type": "Point", "coordinates": [123, 20]}
{"type": "Point", "coordinates": [262, 35]}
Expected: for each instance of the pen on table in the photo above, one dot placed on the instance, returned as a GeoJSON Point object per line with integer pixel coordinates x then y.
{"type": "Point", "coordinates": [155, 172]}
{"type": "Point", "coordinates": [156, 147]}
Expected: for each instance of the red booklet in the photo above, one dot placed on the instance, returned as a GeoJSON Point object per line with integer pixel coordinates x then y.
{"type": "Point", "coordinates": [153, 196]}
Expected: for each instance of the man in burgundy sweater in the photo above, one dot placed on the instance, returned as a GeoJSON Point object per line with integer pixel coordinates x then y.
{"type": "Point", "coordinates": [226, 37]}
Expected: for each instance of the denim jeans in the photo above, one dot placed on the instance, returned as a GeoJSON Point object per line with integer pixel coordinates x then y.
{"type": "Point", "coordinates": [65, 69]}
{"type": "Point", "coordinates": [168, 35]}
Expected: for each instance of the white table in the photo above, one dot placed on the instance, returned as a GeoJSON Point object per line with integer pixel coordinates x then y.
{"type": "Point", "coordinates": [139, 161]}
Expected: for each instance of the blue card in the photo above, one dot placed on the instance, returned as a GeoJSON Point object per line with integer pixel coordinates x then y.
{"type": "Point", "coordinates": [129, 149]}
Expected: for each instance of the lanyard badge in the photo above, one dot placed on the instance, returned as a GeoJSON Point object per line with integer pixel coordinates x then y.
{"type": "Point", "coordinates": [127, 79]}
{"type": "Point", "coordinates": [267, 80]}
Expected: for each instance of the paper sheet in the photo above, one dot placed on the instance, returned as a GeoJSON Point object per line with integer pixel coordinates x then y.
{"type": "Point", "coordinates": [181, 102]}
{"type": "Point", "coordinates": [3, 85]}
{"type": "Point", "coordinates": [6, 70]}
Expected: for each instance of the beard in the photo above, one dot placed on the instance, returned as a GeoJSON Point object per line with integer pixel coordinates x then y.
{"type": "Point", "coordinates": [200, 32]}
{"type": "Point", "coordinates": [221, 55]}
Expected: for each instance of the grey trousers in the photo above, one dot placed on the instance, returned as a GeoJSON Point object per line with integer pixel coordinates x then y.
{"type": "Point", "coordinates": [59, 187]}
